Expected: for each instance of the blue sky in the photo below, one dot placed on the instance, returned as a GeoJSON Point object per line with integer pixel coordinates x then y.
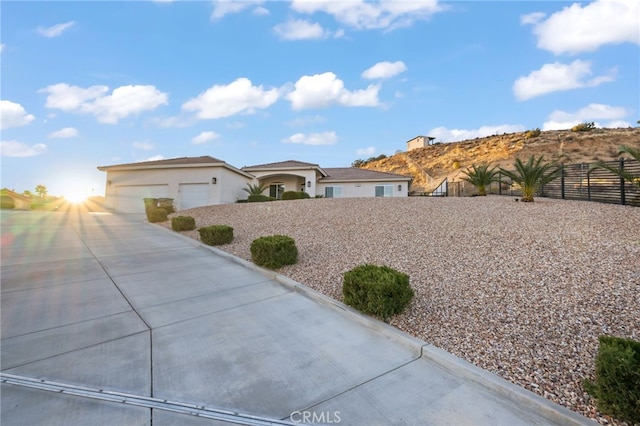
{"type": "Point", "coordinates": [87, 84]}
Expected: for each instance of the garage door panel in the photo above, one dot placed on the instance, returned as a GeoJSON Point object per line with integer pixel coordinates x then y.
{"type": "Point", "coordinates": [193, 195]}
{"type": "Point", "coordinates": [129, 199]}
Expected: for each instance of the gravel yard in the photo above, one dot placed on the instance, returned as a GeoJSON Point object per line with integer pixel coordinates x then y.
{"type": "Point", "coordinates": [519, 289]}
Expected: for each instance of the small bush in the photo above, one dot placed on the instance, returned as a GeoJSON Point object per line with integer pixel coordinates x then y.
{"type": "Point", "coordinates": [7, 202]}
{"type": "Point", "coordinates": [183, 223]}
{"type": "Point", "coordinates": [294, 195]}
{"type": "Point", "coordinates": [532, 133]}
{"type": "Point", "coordinates": [377, 290]}
{"type": "Point", "coordinates": [584, 127]}
{"type": "Point", "coordinates": [216, 235]}
{"type": "Point", "coordinates": [156, 214]}
{"type": "Point", "coordinates": [274, 251]}
{"type": "Point", "coordinates": [259, 198]}
{"type": "Point", "coordinates": [617, 384]}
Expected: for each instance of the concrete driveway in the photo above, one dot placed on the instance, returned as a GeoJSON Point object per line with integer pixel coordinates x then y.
{"type": "Point", "coordinates": [109, 320]}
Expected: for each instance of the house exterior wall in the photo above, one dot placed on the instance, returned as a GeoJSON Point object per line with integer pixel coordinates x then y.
{"type": "Point", "coordinates": [364, 189]}
{"type": "Point", "coordinates": [227, 189]}
{"type": "Point", "coordinates": [417, 142]}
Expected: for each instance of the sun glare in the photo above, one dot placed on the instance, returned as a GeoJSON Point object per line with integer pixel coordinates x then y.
{"type": "Point", "coordinates": [76, 197]}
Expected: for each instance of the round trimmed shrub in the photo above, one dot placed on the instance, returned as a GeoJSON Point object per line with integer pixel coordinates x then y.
{"type": "Point", "coordinates": [183, 223]}
{"type": "Point", "coordinates": [377, 290]}
{"type": "Point", "coordinates": [216, 235]}
{"type": "Point", "coordinates": [274, 251]}
{"type": "Point", "coordinates": [156, 214]}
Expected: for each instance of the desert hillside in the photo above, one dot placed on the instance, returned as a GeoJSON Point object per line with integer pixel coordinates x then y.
{"type": "Point", "coordinates": [431, 164]}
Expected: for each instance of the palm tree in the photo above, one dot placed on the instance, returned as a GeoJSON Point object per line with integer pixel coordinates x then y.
{"type": "Point", "coordinates": [255, 189]}
{"type": "Point", "coordinates": [531, 175]}
{"type": "Point", "coordinates": [633, 152]}
{"type": "Point", "coordinates": [481, 176]}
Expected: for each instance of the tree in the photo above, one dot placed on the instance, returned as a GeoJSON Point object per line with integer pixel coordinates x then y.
{"type": "Point", "coordinates": [618, 171]}
{"type": "Point", "coordinates": [27, 193]}
{"type": "Point", "coordinates": [481, 176]}
{"type": "Point", "coordinates": [255, 189]}
{"type": "Point", "coordinates": [41, 190]}
{"type": "Point", "coordinates": [531, 175]}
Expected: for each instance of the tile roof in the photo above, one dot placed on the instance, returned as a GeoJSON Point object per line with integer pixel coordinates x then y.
{"type": "Point", "coordinates": [354, 173]}
{"type": "Point", "coordinates": [281, 165]}
{"type": "Point", "coordinates": [205, 159]}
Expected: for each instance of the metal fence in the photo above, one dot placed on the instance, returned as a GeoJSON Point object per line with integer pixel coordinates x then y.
{"type": "Point", "coordinates": [580, 182]}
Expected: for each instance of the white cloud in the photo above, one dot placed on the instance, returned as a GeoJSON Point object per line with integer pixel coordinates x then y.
{"type": "Point", "coordinates": [383, 70]}
{"type": "Point", "coordinates": [323, 90]}
{"type": "Point", "coordinates": [453, 135]}
{"type": "Point", "coordinates": [324, 138]}
{"type": "Point", "coordinates": [360, 14]}
{"type": "Point", "coordinates": [306, 121]}
{"type": "Point", "coordinates": [617, 124]}
{"type": "Point", "coordinates": [368, 151]}
{"type": "Point", "coordinates": [124, 101]}
{"type": "Point", "coordinates": [261, 11]}
{"type": "Point", "coordinates": [560, 120]}
{"type": "Point", "coordinates": [205, 137]}
{"type": "Point", "coordinates": [67, 132]}
{"type": "Point", "coordinates": [241, 96]}
{"type": "Point", "coordinates": [299, 29]}
{"type": "Point", "coordinates": [532, 18]}
{"type": "Point", "coordinates": [19, 149]}
{"type": "Point", "coordinates": [2, 47]}
{"type": "Point", "coordinates": [13, 115]}
{"type": "Point", "coordinates": [558, 77]}
{"type": "Point", "coordinates": [154, 158]}
{"type": "Point", "coordinates": [222, 8]}
{"type": "Point", "coordinates": [175, 121]}
{"type": "Point", "coordinates": [55, 30]}
{"type": "Point", "coordinates": [145, 146]}
{"type": "Point", "coordinates": [585, 28]}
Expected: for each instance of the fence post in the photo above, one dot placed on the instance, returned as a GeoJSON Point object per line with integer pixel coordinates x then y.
{"type": "Point", "coordinates": [500, 183]}
{"type": "Point", "coordinates": [562, 181]}
{"type": "Point", "coordinates": [623, 200]}
{"type": "Point", "coordinates": [588, 183]}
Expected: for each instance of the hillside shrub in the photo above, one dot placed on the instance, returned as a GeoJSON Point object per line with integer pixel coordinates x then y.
{"type": "Point", "coordinates": [377, 290]}
{"type": "Point", "coordinates": [274, 251]}
{"type": "Point", "coordinates": [617, 383]}
{"type": "Point", "coordinates": [7, 202]}
{"type": "Point", "coordinates": [183, 223]}
{"type": "Point", "coordinates": [156, 214]}
{"type": "Point", "coordinates": [294, 195]}
{"type": "Point", "coordinates": [583, 127]}
{"type": "Point", "coordinates": [259, 198]}
{"type": "Point", "coordinates": [532, 133]}
{"type": "Point", "coordinates": [216, 235]}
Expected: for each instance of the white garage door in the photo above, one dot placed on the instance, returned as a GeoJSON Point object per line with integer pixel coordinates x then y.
{"type": "Point", "coordinates": [193, 195]}
{"type": "Point", "coordinates": [129, 199]}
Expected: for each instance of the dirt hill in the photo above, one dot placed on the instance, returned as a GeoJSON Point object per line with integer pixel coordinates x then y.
{"type": "Point", "coordinates": [431, 164]}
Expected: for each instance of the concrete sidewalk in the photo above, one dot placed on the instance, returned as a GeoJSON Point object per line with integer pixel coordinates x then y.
{"type": "Point", "coordinates": [124, 323]}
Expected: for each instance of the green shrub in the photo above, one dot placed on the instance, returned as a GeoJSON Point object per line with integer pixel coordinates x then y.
{"type": "Point", "coordinates": [183, 223]}
{"type": "Point", "coordinates": [294, 195]}
{"type": "Point", "coordinates": [7, 202]}
{"type": "Point", "coordinates": [617, 384]}
{"type": "Point", "coordinates": [377, 290]}
{"type": "Point", "coordinates": [216, 235]}
{"type": "Point", "coordinates": [584, 127]}
{"type": "Point", "coordinates": [274, 251]}
{"type": "Point", "coordinates": [156, 214]}
{"type": "Point", "coordinates": [532, 133]}
{"type": "Point", "coordinates": [259, 198]}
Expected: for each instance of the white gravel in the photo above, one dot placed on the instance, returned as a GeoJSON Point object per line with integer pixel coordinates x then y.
{"type": "Point", "coordinates": [519, 289]}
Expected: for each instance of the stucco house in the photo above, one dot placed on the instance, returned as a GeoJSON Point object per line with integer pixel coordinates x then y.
{"type": "Point", "coordinates": [200, 181]}
{"type": "Point", "coordinates": [419, 142]}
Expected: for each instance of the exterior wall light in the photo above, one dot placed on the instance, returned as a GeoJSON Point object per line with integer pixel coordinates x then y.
{"type": "Point", "coordinates": [214, 180]}
{"type": "Point", "coordinates": [308, 184]}
{"type": "Point", "coordinates": [399, 187]}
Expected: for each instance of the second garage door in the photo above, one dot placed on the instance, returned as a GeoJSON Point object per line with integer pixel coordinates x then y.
{"type": "Point", "coordinates": [193, 195]}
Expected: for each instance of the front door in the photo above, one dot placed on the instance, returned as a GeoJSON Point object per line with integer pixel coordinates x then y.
{"type": "Point", "coordinates": [276, 190]}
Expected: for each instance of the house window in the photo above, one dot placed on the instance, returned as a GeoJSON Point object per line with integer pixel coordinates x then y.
{"type": "Point", "coordinates": [333, 192]}
{"type": "Point", "coordinates": [384, 190]}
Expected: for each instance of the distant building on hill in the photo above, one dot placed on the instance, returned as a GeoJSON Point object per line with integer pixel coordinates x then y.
{"type": "Point", "coordinates": [419, 142]}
